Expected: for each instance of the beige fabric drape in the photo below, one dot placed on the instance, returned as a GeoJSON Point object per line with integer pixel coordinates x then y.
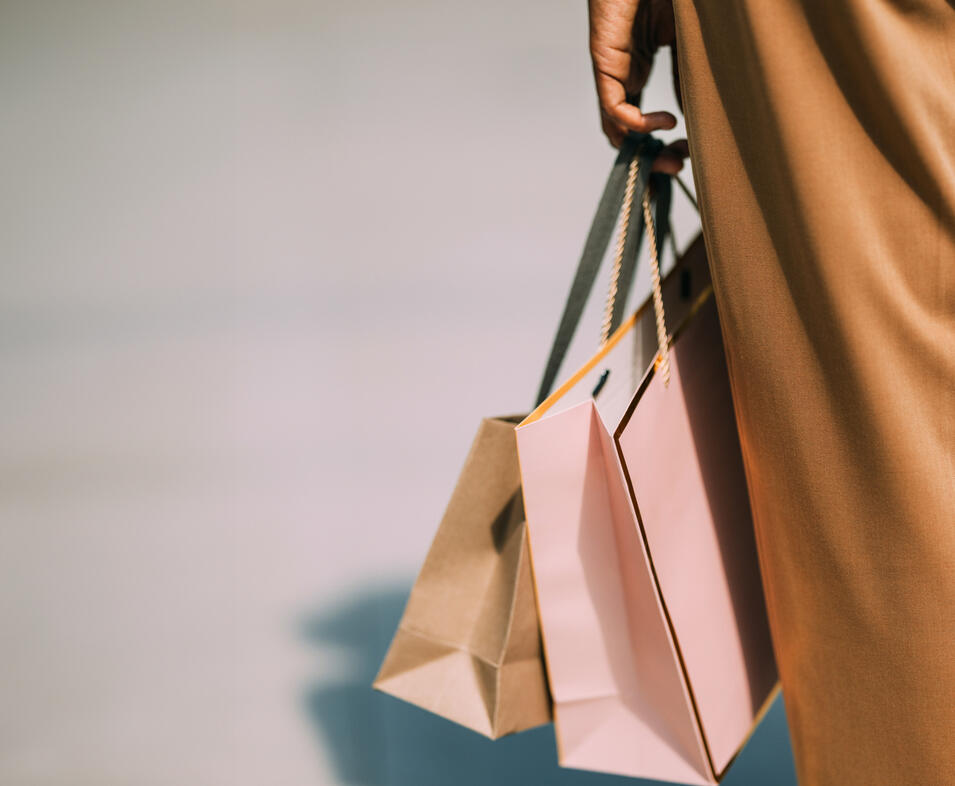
{"type": "Point", "coordinates": [822, 135]}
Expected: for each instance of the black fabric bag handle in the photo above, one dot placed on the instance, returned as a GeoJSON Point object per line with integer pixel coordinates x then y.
{"type": "Point", "coordinates": [646, 148]}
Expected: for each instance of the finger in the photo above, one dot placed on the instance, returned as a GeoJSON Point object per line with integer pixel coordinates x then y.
{"type": "Point", "coordinates": [613, 101]}
{"type": "Point", "coordinates": [670, 158]}
{"type": "Point", "coordinates": [630, 117]}
{"type": "Point", "coordinates": [679, 147]}
{"type": "Point", "coordinates": [614, 133]}
{"type": "Point", "coordinates": [668, 164]}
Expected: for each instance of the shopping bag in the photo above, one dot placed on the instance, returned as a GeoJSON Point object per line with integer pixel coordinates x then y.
{"type": "Point", "coordinates": [468, 644]}
{"type": "Point", "coordinates": [647, 580]}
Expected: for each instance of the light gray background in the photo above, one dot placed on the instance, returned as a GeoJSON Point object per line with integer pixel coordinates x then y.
{"type": "Point", "coordinates": [263, 266]}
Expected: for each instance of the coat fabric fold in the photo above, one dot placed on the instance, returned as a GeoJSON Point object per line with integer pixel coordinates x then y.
{"type": "Point", "coordinates": [822, 137]}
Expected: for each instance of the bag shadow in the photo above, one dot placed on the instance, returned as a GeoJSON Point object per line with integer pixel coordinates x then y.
{"type": "Point", "coordinates": [372, 739]}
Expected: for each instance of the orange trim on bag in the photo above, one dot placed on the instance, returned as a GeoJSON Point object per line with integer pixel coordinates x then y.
{"type": "Point", "coordinates": [552, 399]}
{"type": "Point", "coordinates": [618, 334]}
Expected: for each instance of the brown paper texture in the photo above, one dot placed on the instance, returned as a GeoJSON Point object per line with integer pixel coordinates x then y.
{"type": "Point", "coordinates": [468, 646]}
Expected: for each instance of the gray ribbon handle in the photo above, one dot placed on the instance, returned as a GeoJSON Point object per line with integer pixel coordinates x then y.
{"type": "Point", "coordinates": [646, 148]}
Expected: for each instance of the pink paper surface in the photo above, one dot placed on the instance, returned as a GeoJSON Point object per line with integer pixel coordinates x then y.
{"type": "Point", "coordinates": [682, 454]}
{"type": "Point", "coordinates": [620, 704]}
{"type": "Point", "coordinates": [655, 637]}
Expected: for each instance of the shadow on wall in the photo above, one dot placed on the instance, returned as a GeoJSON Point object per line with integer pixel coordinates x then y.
{"type": "Point", "coordinates": [376, 740]}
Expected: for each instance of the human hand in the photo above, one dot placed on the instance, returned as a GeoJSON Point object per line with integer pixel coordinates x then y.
{"type": "Point", "coordinates": [624, 37]}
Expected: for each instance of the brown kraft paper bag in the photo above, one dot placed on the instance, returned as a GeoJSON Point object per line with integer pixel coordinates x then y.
{"type": "Point", "coordinates": [468, 645]}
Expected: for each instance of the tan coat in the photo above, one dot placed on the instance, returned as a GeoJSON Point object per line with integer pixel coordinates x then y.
{"type": "Point", "coordinates": [822, 135]}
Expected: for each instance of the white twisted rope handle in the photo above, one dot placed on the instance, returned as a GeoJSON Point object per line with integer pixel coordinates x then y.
{"type": "Point", "coordinates": [662, 362]}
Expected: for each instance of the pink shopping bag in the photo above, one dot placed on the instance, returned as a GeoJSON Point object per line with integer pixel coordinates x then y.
{"type": "Point", "coordinates": [651, 608]}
